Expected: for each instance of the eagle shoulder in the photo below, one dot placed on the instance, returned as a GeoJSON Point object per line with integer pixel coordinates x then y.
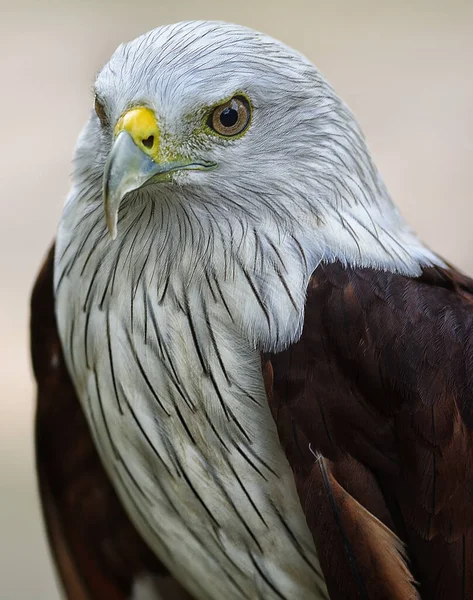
{"type": "Point", "coordinates": [378, 393]}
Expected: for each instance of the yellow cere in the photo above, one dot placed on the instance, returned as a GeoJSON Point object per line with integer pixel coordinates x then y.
{"type": "Point", "coordinates": [141, 124]}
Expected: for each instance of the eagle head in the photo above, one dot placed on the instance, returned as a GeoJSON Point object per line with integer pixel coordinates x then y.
{"type": "Point", "coordinates": [239, 148]}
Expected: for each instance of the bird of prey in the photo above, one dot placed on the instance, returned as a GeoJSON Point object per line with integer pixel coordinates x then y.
{"type": "Point", "coordinates": [254, 380]}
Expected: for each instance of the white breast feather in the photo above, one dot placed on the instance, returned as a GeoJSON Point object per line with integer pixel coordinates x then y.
{"type": "Point", "coordinates": [184, 429]}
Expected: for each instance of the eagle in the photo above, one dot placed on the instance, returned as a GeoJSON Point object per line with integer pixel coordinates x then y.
{"type": "Point", "coordinates": [254, 380]}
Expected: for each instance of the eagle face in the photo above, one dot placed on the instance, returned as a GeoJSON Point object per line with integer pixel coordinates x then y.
{"type": "Point", "coordinates": [230, 126]}
{"type": "Point", "coordinates": [225, 120]}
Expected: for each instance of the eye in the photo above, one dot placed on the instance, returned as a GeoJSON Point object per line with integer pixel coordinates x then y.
{"type": "Point", "coordinates": [231, 118]}
{"type": "Point", "coordinates": [100, 111]}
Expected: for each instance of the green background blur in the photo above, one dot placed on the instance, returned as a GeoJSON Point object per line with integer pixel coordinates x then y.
{"type": "Point", "coordinates": [404, 67]}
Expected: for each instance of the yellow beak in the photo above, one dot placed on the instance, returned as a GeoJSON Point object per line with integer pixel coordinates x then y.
{"type": "Point", "coordinates": [141, 124]}
{"type": "Point", "coordinates": [135, 160]}
{"type": "Point", "coordinates": [132, 160]}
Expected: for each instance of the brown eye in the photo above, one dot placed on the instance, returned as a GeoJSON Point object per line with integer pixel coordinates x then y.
{"type": "Point", "coordinates": [231, 118]}
{"type": "Point", "coordinates": [100, 111]}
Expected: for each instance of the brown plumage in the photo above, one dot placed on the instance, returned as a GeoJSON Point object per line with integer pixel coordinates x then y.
{"type": "Point", "coordinates": [374, 410]}
{"type": "Point", "coordinates": [380, 384]}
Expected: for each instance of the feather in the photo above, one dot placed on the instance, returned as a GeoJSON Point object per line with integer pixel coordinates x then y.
{"type": "Point", "coordinates": [373, 554]}
{"type": "Point", "coordinates": [97, 551]}
{"type": "Point", "coordinates": [379, 389]}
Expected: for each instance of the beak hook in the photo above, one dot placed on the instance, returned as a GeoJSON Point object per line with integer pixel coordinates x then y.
{"type": "Point", "coordinates": [127, 169]}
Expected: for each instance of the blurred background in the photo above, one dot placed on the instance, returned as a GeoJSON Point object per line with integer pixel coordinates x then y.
{"type": "Point", "coordinates": [404, 67]}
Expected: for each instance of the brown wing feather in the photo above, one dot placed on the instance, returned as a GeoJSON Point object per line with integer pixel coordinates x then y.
{"type": "Point", "coordinates": [381, 384]}
{"type": "Point", "coordinates": [364, 548]}
{"type": "Point", "coordinates": [360, 556]}
{"type": "Point", "coordinates": [98, 552]}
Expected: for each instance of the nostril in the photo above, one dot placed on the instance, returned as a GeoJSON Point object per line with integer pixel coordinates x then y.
{"type": "Point", "coordinates": [149, 141]}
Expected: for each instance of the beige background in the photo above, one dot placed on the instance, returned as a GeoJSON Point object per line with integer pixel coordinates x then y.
{"type": "Point", "coordinates": [405, 68]}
